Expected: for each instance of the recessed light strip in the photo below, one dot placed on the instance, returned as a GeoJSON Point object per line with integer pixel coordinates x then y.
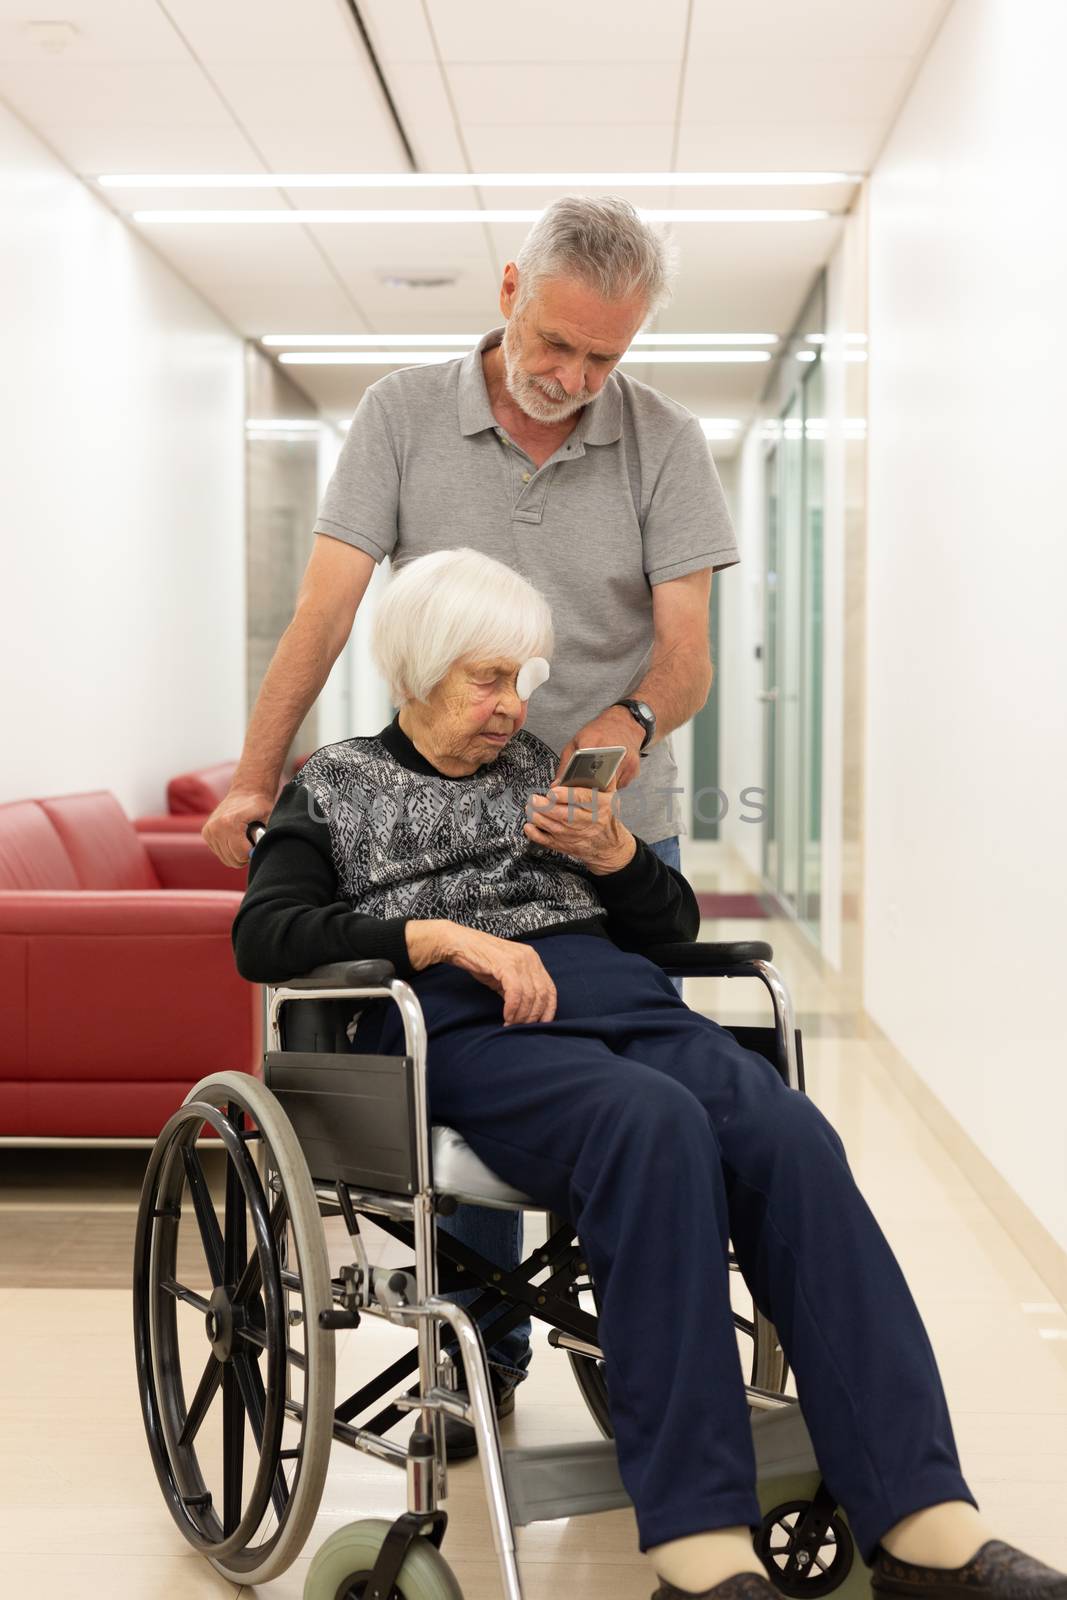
{"type": "Point", "coordinates": [345, 341]}
{"type": "Point", "coordinates": [284, 216]}
{"type": "Point", "coordinates": [471, 180]}
{"type": "Point", "coordinates": [419, 358]}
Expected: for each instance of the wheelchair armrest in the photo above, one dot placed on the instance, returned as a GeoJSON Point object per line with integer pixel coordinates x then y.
{"type": "Point", "coordinates": [708, 960]}
{"type": "Point", "coordinates": [344, 975]}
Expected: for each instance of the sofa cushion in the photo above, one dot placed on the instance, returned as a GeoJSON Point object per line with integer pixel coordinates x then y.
{"type": "Point", "coordinates": [101, 841]}
{"type": "Point", "coordinates": [32, 855]}
{"type": "Point", "coordinates": [200, 792]}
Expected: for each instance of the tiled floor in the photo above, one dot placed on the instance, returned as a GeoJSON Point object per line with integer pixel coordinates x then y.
{"type": "Point", "coordinates": [80, 1511]}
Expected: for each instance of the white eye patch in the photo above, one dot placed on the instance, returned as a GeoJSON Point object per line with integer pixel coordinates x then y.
{"type": "Point", "coordinates": [532, 674]}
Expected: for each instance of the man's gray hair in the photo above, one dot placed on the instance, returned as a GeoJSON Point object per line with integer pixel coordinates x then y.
{"type": "Point", "coordinates": [602, 241]}
{"type": "Point", "coordinates": [451, 604]}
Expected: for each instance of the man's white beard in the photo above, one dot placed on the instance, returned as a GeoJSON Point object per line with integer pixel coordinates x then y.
{"type": "Point", "coordinates": [543, 399]}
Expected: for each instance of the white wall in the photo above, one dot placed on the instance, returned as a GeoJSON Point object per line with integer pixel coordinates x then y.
{"type": "Point", "coordinates": [121, 500]}
{"type": "Point", "coordinates": [967, 581]}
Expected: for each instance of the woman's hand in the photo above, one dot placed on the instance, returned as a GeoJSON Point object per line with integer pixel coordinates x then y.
{"type": "Point", "coordinates": [513, 970]}
{"type": "Point", "coordinates": [581, 823]}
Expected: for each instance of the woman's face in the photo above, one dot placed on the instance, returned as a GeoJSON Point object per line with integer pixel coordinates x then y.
{"type": "Point", "coordinates": [475, 710]}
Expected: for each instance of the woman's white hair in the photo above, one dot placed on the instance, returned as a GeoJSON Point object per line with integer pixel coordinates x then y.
{"type": "Point", "coordinates": [451, 604]}
{"type": "Point", "coordinates": [602, 241]}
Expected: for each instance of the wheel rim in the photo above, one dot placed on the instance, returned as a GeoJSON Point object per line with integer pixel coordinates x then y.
{"type": "Point", "coordinates": [769, 1368]}
{"type": "Point", "coordinates": [244, 1373]}
{"type": "Point", "coordinates": [830, 1564]}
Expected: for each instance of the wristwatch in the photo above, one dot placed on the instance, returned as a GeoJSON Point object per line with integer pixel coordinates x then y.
{"type": "Point", "coordinates": [643, 713]}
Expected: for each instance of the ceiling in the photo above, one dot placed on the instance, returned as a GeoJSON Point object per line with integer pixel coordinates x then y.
{"type": "Point", "coordinates": [257, 86]}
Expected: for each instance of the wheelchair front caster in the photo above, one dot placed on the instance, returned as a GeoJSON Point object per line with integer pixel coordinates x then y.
{"type": "Point", "coordinates": [341, 1569]}
{"type": "Point", "coordinates": [834, 1568]}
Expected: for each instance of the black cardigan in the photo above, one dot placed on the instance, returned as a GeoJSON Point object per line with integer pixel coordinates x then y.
{"type": "Point", "coordinates": [369, 836]}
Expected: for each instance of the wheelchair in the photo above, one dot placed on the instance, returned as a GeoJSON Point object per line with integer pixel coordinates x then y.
{"type": "Point", "coordinates": [245, 1305]}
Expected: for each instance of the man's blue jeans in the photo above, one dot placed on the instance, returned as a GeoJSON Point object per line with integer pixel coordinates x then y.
{"type": "Point", "coordinates": [497, 1235]}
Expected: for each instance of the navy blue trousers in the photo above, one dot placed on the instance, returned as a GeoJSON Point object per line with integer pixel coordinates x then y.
{"type": "Point", "coordinates": [662, 1139]}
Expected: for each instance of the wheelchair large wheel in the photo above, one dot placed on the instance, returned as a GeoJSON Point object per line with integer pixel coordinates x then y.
{"type": "Point", "coordinates": [769, 1369]}
{"type": "Point", "coordinates": [341, 1568]}
{"type": "Point", "coordinates": [231, 1308]}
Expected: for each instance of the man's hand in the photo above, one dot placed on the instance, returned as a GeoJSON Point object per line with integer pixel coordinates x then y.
{"type": "Point", "coordinates": [613, 726]}
{"type": "Point", "coordinates": [224, 830]}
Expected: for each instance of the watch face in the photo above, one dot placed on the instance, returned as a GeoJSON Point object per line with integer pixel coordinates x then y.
{"type": "Point", "coordinates": [645, 710]}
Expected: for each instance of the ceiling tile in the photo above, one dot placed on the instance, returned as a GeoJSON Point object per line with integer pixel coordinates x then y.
{"type": "Point", "coordinates": [322, 147]}
{"type": "Point", "coordinates": [338, 93]}
{"type": "Point", "coordinates": [122, 30]}
{"type": "Point", "coordinates": [161, 94]}
{"type": "Point", "coordinates": [536, 92]}
{"type": "Point", "coordinates": [567, 147]}
{"type": "Point", "coordinates": [398, 30]}
{"type": "Point", "coordinates": [136, 148]}
{"type": "Point", "coordinates": [559, 31]}
{"type": "Point", "coordinates": [421, 99]}
{"type": "Point", "coordinates": [779, 146]}
{"type": "Point", "coordinates": [816, 29]}
{"type": "Point", "coordinates": [750, 89]}
{"type": "Point", "coordinates": [257, 307]}
{"type": "Point", "coordinates": [267, 30]}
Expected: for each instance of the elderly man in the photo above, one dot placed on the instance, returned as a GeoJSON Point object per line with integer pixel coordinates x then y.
{"type": "Point", "coordinates": [597, 489]}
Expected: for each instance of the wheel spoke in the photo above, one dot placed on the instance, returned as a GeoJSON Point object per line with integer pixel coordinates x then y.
{"type": "Point", "coordinates": [250, 1278]}
{"type": "Point", "coordinates": [233, 1449]}
{"type": "Point", "coordinates": [210, 1233]}
{"type": "Point", "coordinates": [235, 1246]}
{"type": "Point", "coordinates": [206, 1390]}
{"type": "Point", "coordinates": [190, 1296]}
{"type": "Point", "coordinates": [252, 1391]}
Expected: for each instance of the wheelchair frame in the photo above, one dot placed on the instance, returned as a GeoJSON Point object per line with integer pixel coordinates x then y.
{"type": "Point", "coordinates": [249, 1305]}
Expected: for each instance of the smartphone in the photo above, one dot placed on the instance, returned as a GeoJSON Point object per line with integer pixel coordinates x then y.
{"type": "Point", "coordinates": [592, 768]}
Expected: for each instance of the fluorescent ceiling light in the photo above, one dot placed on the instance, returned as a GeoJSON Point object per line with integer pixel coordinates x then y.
{"type": "Point", "coordinates": [418, 358]}
{"type": "Point", "coordinates": [368, 358]}
{"type": "Point", "coordinates": [358, 340]}
{"type": "Point", "coordinates": [463, 214]}
{"type": "Point", "coordinates": [851, 338]}
{"type": "Point", "coordinates": [470, 180]}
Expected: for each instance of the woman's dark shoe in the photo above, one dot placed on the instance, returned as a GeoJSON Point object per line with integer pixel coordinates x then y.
{"type": "Point", "coordinates": [460, 1440]}
{"type": "Point", "coordinates": [998, 1572]}
{"type": "Point", "coordinates": [742, 1586]}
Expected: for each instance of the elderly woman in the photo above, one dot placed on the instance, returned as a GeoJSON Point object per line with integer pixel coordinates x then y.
{"type": "Point", "coordinates": [574, 1070]}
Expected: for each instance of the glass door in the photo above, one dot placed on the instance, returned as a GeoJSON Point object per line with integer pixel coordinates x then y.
{"type": "Point", "coordinates": [792, 685]}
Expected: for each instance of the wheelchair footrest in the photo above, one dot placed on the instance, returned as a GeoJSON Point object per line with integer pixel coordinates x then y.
{"type": "Point", "coordinates": [564, 1480]}
{"type": "Point", "coordinates": [571, 1480]}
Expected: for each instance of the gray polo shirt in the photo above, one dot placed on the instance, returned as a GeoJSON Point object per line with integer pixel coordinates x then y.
{"type": "Point", "coordinates": [631, 499]}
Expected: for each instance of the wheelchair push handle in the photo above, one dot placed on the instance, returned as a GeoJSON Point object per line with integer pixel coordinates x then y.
{"type": "Point", "coordinates": [254, 831]}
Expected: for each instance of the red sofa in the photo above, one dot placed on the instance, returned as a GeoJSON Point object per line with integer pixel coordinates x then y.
{"type": "Point", "coordinates": [193, 796]}
{"type": "Point", "coordinates": [118, 988]}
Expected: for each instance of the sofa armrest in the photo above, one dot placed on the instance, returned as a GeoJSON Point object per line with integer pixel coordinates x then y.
{"type": "Point", "coordinates": [126, 986]}
{"type": "Point", "coordinates": [163, 822]}
{"type": "Point", "coordinates": [186, 861]}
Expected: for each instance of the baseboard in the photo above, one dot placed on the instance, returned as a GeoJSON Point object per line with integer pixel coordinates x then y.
{"type": "Point", "coordinates": [1044, 1253]}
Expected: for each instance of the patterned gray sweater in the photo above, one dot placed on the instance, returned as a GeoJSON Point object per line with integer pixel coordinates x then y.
{"type": "Point", "coordinates": [369, 835]}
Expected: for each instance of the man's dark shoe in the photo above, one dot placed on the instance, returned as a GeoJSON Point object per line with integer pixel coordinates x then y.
{"type": "Point", "coordinates": [997, 1572]}
{"type": "Point", "coordinates": [460, 1441]}
{"type": "Point", "coordinates": [742, 1586]}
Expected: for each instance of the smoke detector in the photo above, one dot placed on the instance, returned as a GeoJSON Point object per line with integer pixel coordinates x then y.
{"type": "Point", "coordinates": [418, 280]}
{"type": "Point", "coordinates": [53, 38]}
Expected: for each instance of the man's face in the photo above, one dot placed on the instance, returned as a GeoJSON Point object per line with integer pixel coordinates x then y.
{"type": "Point", "coordinates": [560, 347]}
